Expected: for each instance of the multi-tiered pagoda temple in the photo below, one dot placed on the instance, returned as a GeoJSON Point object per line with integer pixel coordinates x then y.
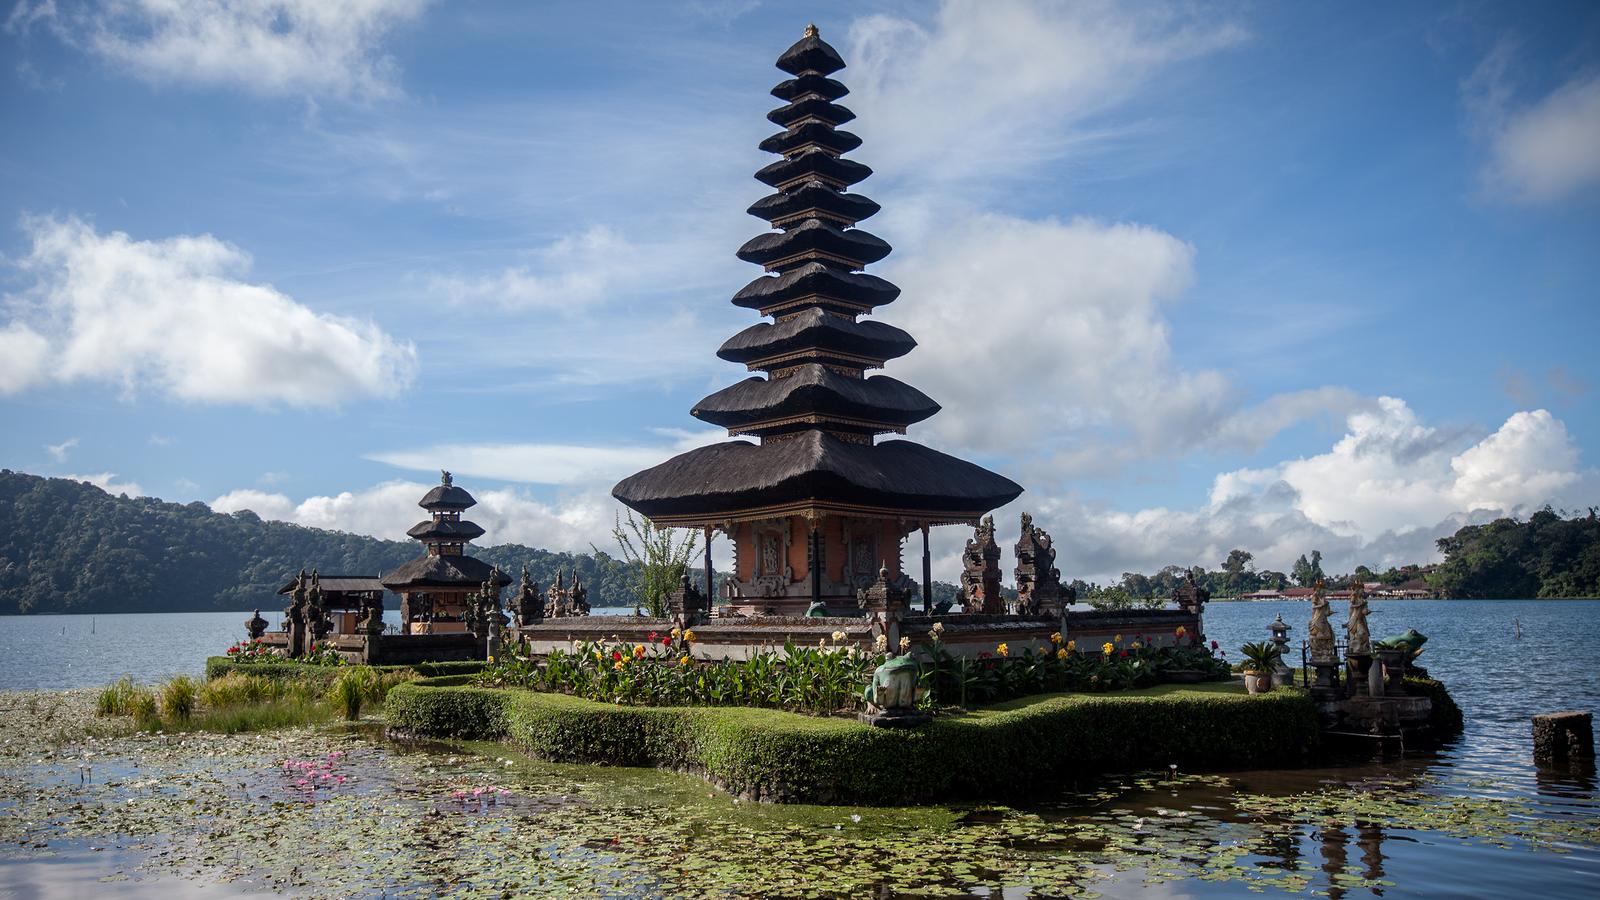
{"type": "Point", "coordinates": [437, 587]}
{"type": "Point", "coordinates": [817, 502]}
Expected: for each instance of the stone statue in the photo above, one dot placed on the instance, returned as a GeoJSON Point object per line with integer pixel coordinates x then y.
{"type": "Point", "coordinates": [255, 626]}
{"type": "Point", "coordinates": [445, 479]}
{"type": "Point", "coordinates": [884, 596]}
{"type": "Point", "coordinates": [297, 616]}
{"type": "Point", "coordinates": [1358, 638]}
{"type": "Point", "coordinates": [1411, 642]}
{"type": "Point", "coordinates": [530, 603]}
{"type": "Point", "coordinates": [686, 604]}
{"type": "Point", "coordinates": [557, 596]}
{"type": "Point", "coordinates": [371, 621]}
{"type": "Point", "coordinates": [1190, 595]}
{"type": "Point", "coordinates": [891, 697]}
{"type": "Point", "coordinates": [317, 622]}
{"type": "Point", "coordinates": [1320, 631]}
{"type": "Point", "coordinates": [980, 571]}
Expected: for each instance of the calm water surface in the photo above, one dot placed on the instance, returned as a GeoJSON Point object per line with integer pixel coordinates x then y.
{"type": "Point", "coordinates": [1498, 678]}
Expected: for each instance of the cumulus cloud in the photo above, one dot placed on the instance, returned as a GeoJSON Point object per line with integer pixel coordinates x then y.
{"type": "Point", "coordinates": [1379, 496]}
{"type": "Point", "coordinates": [386, 510]}
{"type": "Point", "coordinates": [1049, 338]}
{"type": "Point", "coordinates": [269, 47]}
{"type": "Point", "coordinates": [107, 481]}
{"type": "Point", "coordinates": [173, 315]}
{"type": "Point", "coordinates": [565, 464]}
{"type": "Point", "coordinates": [1540, 151]}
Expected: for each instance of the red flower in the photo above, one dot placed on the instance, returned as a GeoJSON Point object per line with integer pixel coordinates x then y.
{"type": "Point", "coordinates": [666, 640]}
{"type": "Point", "coordinates": [1213, 645]}
{"type": "Point", "coordinates": [654, 636]}
{"type": "Point", "coordinates": [616, 655]}
{"type": "Point", "coordinates": [1124, 653]}
{"type": "Point", "coordinates": [983, 655]}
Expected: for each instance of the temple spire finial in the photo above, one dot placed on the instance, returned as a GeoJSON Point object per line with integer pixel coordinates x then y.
{"type": "Point", "coordinates": [444, 477]}
{"type": "Point", "coordinates": [811, 30]}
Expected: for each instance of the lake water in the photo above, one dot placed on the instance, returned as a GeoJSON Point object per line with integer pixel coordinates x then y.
{"type": "Point", "coordinates": [1378, 831]}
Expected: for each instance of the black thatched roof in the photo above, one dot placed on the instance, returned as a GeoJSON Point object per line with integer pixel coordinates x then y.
{"type": "Point", "coordinates": [813, 164]}
{"type": "Point", "coordinates": [447, 496]}
{"type": "Point", "coordinates": [894, 476]}
{"type": "Point", "coordinates": [811, 134]}
{"type": "Point", "coordinates": [810, 54]}
{"type": "Point", "coordinates": [819, 330]}
{"type": "Point", "coordinates": [818, 280]}
{"type": "Point", "coordinates": [823, 87]}
{"type": "Point", "coordinates": [815, 389]}
{"type": "Point", "coordinates": [813, 196]}
{"type": "Point", "coordinates": [814, 236]}
{"type": "Point", "coordinates": [431, 530]}
{"type": "Point", "coordinates": [339, 584]}
{"type": "Point", "coordinates": [810, 106]}
{"type": "Point", "coordinates": [441, 571]}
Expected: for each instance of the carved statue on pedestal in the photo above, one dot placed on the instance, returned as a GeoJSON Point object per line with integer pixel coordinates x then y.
{"type": "Point", "coordinates": [1357, 635]}
{"type": "Point", "coordinates": [1320, 631]}
{"type": "Point", "coordinates": [578, 596]}
{"type": "Point", "coordinates": [530, 603]}
{"type": "Point", "coordinates": [1191, 596]}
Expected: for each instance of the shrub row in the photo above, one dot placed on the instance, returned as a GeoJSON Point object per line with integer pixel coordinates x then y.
{"type": "Point", "coordinates": [218, 666]}
{"type": "Point", "coordinates": [1445, 717]}
{"type": "Point", "coordinates": [1011, 750]}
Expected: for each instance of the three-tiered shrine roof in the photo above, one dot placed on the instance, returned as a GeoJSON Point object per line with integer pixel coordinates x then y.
{"type": "Point", "coordinates": [445, 535]}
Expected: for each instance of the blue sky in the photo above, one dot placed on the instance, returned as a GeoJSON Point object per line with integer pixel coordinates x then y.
{"type": "Point", "coordinates": [1277, 276]}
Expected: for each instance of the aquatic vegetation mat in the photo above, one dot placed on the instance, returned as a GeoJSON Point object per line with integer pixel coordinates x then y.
{"type": "Point", "coordinates": [337, 811]}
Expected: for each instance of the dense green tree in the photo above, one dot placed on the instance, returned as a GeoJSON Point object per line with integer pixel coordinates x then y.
{"type": "Point", "coordinates": [1546, 556]}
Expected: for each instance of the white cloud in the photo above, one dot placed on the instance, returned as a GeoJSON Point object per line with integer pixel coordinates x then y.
{"type": "Point", "coordinates": [23, 353]}
{"type": "Point", "coordinates": [270, 47]}
{"type": "Point", "coordinates": [386, 510]}
{"type": "Point", "coordinates": [996, 86]}
{"type": "Point", "coordinates": [1542, 151]}
{"type": "Point", "coordinates": [107, 481]}
{"type": "Point", "coordinates": [1379, 496]}
{"type": "Point", "coordinates": [58, 452]}
{"type": "Point", "coordinates": [566, 464]}
{"type": "Point", "coordinates": [568, 276]}
{"type": "Point", "coordinates": [173, 316]}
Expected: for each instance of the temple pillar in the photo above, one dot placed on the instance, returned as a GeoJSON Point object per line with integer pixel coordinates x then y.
{"type": "Point", "coordinates": [814, 557]}
{"type": "Point", "coordinates": [710, 589]}
{"type": "Point", "coordinates": [927, 572]}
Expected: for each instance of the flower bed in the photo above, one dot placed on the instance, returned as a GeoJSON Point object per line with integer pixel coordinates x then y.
{"type": "Point", "coordinates": [999, 752]}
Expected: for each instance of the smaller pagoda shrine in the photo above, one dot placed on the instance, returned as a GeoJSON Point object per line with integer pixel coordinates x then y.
{"type": "Point", "coordinates": [440, 589]}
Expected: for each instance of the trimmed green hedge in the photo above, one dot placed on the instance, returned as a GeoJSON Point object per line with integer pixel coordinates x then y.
{"type": "Point", "coordinates": [1010, 750]}
{"type": "Point", "coordinates": [1445, 716]}
{"type": "Point", "coordinates": [218, 666]}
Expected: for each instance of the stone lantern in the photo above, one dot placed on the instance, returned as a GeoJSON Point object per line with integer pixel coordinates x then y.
{"type": "Point", "coordinates": [1281, 675]}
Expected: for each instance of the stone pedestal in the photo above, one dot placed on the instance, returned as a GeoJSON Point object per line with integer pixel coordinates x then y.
{"type": "Point", "coordinates": [1394, 671]}
{"type": "Point", "coordinates": [1326, 684]}
{"type": "Point", "coordinates": [1356, 683]}
{"type": "Point", "coordinates": [1562, 737]}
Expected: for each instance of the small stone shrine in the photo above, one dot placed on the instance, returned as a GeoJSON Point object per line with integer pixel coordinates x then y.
{"type": "Point", "coordinates": [436, 588]}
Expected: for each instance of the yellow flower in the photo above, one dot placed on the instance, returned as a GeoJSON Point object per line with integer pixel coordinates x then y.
{"type": "Point", "coordinates": [905, 644]}
{"type": "Point", "coordinates": [675, 631]}
{"type": "Point", "coordinates": [838, 637]}
{"type": "Point", "coordinates": [1072, 646]}
{"type": "Point", "coordinates": [1003, 650]}
{"type": "Point", "coordinates": [1181, 631]}
{"type": "Point", "coordinates": [618, 665]}
{"type": "Point", "coordinates": [1134, 645]}
{"type": "Point", "coordinates": [1055, 638]}
{"type": "Point", "coordinates": [1106, 648]}
{"type": "Point", "coordinates": [684, 660]}
{"type": "Point", "coordinates": [880, 643]}
{"type": "Point", "coordinates": [1062, 653]}
{"type": "Point", "coordinates": [689, 636]}
{"type": "Point", "coordinates": [599, 654]}
{"type": "Point", "coordinates": [1118, 639]}
{"type": "Point", "coordinates": [491, 659]}
{"type": "Point", "coordinates": [938, 628]}
{"type": "Point", "coordinates": [638, 651]}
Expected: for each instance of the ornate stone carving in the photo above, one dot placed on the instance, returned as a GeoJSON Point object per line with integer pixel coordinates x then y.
{"type": "Point", "coordinates": [980, 571]}
{"type": "Point", "coordinates": [884, 596]}
{"type": "Point", "coordinates": [530, 603]}
{"type": "Point", "coordinates": [255, 626]}
{"type": "Point", "coordinates": [577, 595]}
{"type": "Point", "coordinates": [686, 603]}
{"type": "Point", "coordinates": [1039, 590]}
{"type": "Point", "coordinates": [1191, 596]}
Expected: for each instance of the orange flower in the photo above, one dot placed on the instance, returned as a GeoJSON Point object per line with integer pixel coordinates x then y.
{"type": "Point", "coordinates": [638, 651]}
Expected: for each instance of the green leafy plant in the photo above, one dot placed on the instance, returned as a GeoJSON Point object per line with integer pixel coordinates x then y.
{"type": "Point", "coordinates": [1260, 656]}
{"type": "Point", "coordinates": [178, 698]}
{"type": "Point", "coordinates": [658, 559]}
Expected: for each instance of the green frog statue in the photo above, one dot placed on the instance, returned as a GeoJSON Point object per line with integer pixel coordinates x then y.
{"type": "Point", "coordinates": [892, 695]}
{"type": "Point", "coordinates": [1411, 642]}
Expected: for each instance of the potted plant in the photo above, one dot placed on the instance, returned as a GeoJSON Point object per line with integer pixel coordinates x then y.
{"type": "Point", "coordinates": [1260, 660]}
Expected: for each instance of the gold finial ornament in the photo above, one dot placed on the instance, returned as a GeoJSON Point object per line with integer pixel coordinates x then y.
{"type": "Point", "coordinates": [811, 30]}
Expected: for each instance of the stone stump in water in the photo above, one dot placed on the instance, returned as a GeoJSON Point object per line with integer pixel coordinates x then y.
{"type": "Point", "coordinates": [1561, 737]}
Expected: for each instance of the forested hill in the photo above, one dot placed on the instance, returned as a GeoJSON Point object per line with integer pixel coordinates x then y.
{"type": "Point", "coordinates": [1545, 556]}
{"type": "Point", "coordinates": [67, 546]}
